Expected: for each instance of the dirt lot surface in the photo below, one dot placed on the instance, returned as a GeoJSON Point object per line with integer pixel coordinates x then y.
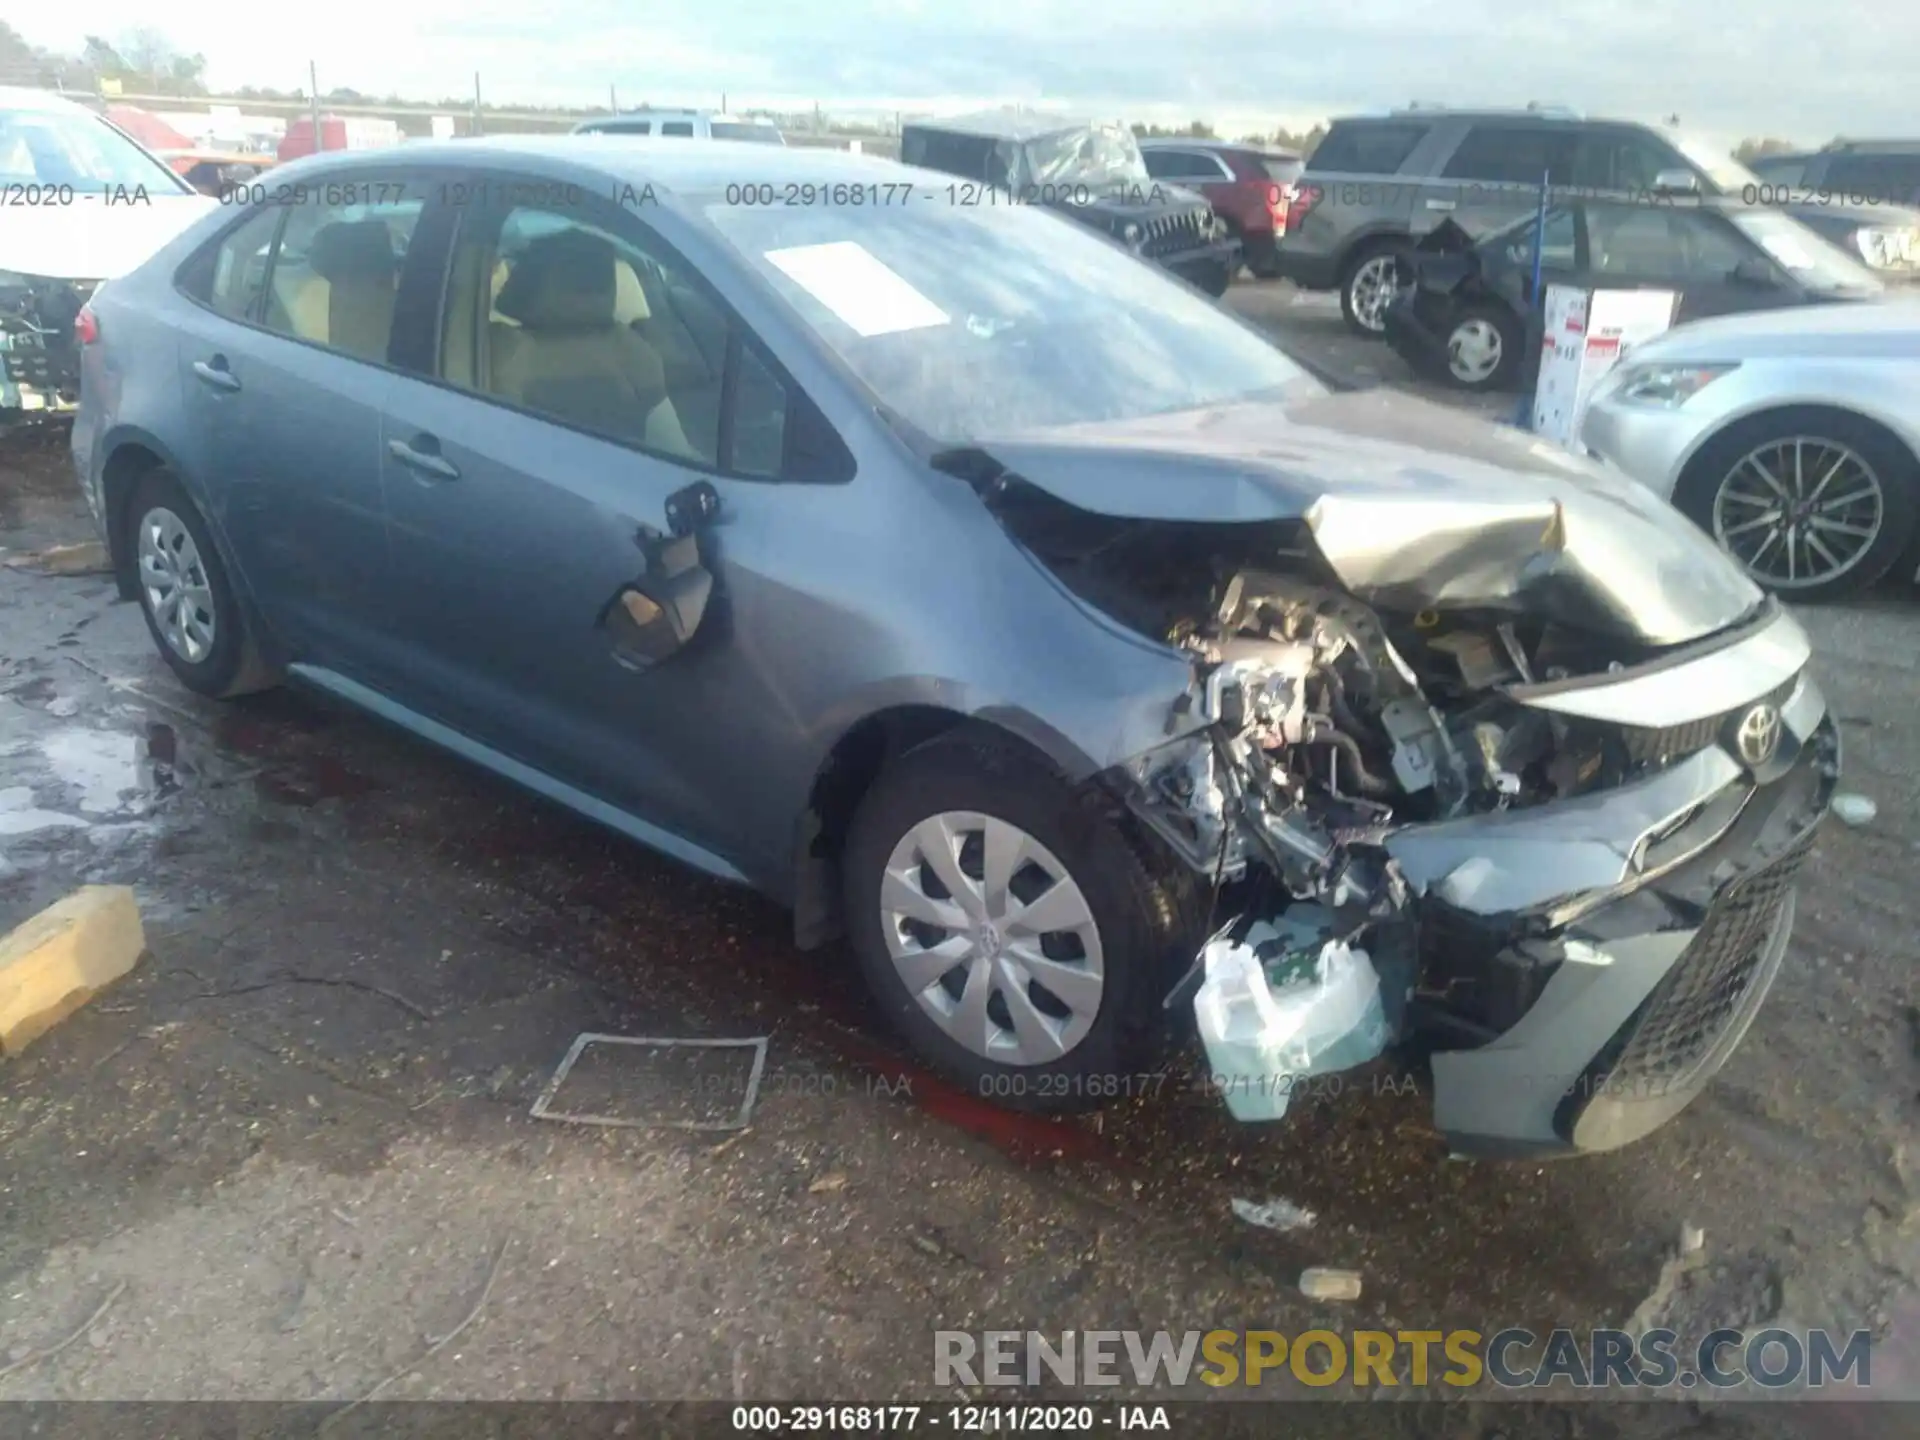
{"type": "Point", "coordinates": [295, 1144]}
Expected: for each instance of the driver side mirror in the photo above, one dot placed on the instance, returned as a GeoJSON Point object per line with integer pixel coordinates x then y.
{"type": "Point", "coordinates": [1676, 182]}
{"type": "Point", "coordinates": [1756, 272]}
{"type": "Point", "coordinates": [655, 616]}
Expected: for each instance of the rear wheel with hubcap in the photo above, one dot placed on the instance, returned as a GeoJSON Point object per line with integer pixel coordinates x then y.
{"type": "Point", "coordinates": [1814, 504]}
{"type": "Point", "coordinates": [1483, 348]}
{"type": "Point", "coordinates": [1018, 939]}
{"type": "Point", "coordinates": [191, 609]}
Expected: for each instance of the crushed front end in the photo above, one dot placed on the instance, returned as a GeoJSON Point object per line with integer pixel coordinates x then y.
{"type": "Point", "coordinates": [1569, 862]}
{"type": "Point", "coordinates": [39, 352]}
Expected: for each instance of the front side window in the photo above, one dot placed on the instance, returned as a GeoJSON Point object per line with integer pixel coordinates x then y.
{"type": "Point", "coordinates": [738, 130]}
{"type": "Point", "coordinates": [1714, 159]}
{"type": "Point", "coordinates": [1806, 256]}
{"type": "Point", "coordinates": [336, 271]}
{"type": "Point", "coordinates": [1557, 241]}
{"type": "Point", "coordinates": [1606, 160]}
{"type": "Point", "coordinates": [82, 152]}
{"type": "Point", "coordinates": [587, 327]}
{"type": "Point", "coordinates": [972, 322]}
{"type": "Point", "coordinates": [1641, 241]}
{"type": "Point", "coordinates": [677, 127]}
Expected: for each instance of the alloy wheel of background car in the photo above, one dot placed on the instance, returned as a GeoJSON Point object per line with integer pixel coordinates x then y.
{"type": "Point", "coordinates": [1370, 289]}
{"type": "Point", "coordinates": [1799, 511]}
{"type": "Point", "coordinates": [1814, 503]}
{"type": "Point", "coordinates": [190, 608]}
{"type": "Point", "coordinates": [992, 937]}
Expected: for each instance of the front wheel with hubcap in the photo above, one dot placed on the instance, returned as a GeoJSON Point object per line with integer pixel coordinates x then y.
{"type": "Point", "coordinates": [1371, 283]}
{"type": "Point", "coordinates": [1483, 348]}
{"type": "Point", "coordinates": [1008, 928]}
{"type": "Point", "coordinates": [1813, 504]}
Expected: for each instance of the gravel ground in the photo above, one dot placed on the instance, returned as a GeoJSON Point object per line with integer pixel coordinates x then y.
{"type": "Point", "coordinates": [298, 1135]}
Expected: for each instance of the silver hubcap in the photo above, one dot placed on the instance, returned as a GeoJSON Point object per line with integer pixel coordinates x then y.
{"type": "Point", "coordinates": [1799, 511]}
{"type": "Point", "coordinates": [1473, 351]}
{"type": "Point", "coordinates": [1372, 290]}
{"type": "Point", "coordinates": [175, 586]}
{"type": "Point", "coordinates": [992, 938]}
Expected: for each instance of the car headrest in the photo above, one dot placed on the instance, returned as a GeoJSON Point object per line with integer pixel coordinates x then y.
{"type": "Point", "coordinates": [564, 281]}
{"type": "Point", "coordinates": [353, 250]}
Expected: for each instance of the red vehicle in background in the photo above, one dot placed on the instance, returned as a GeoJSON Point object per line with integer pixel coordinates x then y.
{"type": "Point", "coordinates": [338, 132]}
{"type": "Point", "coordinates": [1248, 186]}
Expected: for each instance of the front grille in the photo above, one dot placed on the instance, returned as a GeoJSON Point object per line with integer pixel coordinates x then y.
{"type": "Point", "coordinates": [1170, 234]}
{"type": "Point", "coordinates": [1688, 1011]}
{"type": "Point", "coordinates": [1651, 745]}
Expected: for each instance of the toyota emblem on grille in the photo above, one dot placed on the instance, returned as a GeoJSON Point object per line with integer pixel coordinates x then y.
{"type": "Point", "coordinates": [1758, 735]}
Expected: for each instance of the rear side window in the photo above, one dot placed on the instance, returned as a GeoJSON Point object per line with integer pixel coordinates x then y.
{"type": "Point", "coordinates": [1182, 165]}
{"type": "Point", "coordinates": [1513, 155]}
{"type": "Point", "coordinates": [230, 278]}
{"type": "Point", "coordinates": [336, 272]}
{"type": "Point", "coordinates": [1367, 148]}
{"type": "Point", "coordinates": [676, 127]}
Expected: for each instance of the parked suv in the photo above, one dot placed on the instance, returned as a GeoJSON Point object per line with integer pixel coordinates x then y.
{"type": "Point", "coordinates": [1830, 186]}
{"type": "Point", "coordinates": [1378, 183]}
{"type": "Point", "coordinates": [1247, 186]}
{"type": "Point", "coordinates": [687, 124]}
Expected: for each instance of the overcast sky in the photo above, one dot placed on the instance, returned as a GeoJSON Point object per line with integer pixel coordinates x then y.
{"type": "Point", "coordinates": [1775, 67]}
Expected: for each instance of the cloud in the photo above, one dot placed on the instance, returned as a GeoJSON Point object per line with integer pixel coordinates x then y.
{"type": "Point", "coordinates": [1756, 68]}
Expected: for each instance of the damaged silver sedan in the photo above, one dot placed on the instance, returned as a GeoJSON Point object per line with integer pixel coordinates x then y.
{"type": "Point", "coordinates": [994, 601]}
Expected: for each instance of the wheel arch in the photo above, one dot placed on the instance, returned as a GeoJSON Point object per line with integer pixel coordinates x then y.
{"type": "Point", "coordinates": [1692, 464]}
{"type": "Point", "coordinates": [855, 761]}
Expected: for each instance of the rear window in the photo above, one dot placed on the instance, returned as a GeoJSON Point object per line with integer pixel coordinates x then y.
{"type": "Point", "coordinates": [1373, 147]}
{"type": "Point", "coordinates": [1874, 179]}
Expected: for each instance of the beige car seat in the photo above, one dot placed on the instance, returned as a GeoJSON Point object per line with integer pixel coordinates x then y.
{"type": "Point", "coordinates": [561, 343]}
{"type": "Point", "coordinates": [356, 261]}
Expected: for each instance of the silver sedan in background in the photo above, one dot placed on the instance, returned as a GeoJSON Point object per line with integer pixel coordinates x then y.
{"type": "Point", "coordinates": [1790, 436]}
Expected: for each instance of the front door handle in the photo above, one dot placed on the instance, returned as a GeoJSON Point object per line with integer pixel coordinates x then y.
{"type": "Point", "coordinates": [423, 462]}
{"type": "Point", "coordinates": [1440, 204]}
{"type": "Point", "coordinates": [215, 373]}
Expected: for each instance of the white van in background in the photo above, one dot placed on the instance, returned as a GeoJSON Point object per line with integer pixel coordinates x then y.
{"type": "Point", "coordinates": [687, 124]}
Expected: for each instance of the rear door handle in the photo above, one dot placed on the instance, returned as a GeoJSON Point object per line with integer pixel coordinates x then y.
{"type": "Point", "coordinates": [423, 461]}
{"type": "Point", "coordinates": [215, 373]}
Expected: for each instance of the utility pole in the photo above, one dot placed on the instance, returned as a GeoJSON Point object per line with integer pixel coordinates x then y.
{"type": "Point", "coordinates": [613, 101]}
{"type": "Point", "coordinates": [476, 102]}
{"type": "Point", "coordinates": [723, 102]}
{"type": "Point", "coordinates": [313, 100]}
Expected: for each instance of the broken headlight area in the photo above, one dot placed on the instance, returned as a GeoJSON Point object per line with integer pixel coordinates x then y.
{"type": "Point", "coordinates": [39, 353]}
{"type": "Point", "coordinates": [1315, 730]}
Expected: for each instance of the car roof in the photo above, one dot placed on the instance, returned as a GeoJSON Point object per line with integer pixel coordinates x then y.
{"type": "Point", "coordinates": [1007, 123]}
{"type": "Point", "coordinates": [659, 114]}
{"type": "Point", "coordinates": [17, 97]}
{"type": "Point", "coordinates": [1214, 142]}
{"type": "Point", "coordinates": [665, 163]}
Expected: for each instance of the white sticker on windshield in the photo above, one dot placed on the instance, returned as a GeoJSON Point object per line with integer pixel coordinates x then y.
{"type": "Point", "coordinates": [857, 288]}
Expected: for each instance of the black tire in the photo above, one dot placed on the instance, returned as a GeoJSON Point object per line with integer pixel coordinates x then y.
{"type": "Point", "coordinates": [1145, 907]}
{"type": "Point", "coordinates": [1217, 279]}
{"type": "Point", "coordinates": [1513, 339]}
{"type": "Point", "coordinates": [232, 665]}
{"type": "Point", "coordinates": [1894, 468]}
{"type": "Point", "coordinates": [1364, 255]}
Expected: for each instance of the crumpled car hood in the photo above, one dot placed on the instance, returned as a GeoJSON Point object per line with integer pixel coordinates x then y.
{"type": "Point", "coordinates": [1414, 506]}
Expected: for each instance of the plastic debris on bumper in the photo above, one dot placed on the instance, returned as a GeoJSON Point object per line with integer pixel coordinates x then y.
{"type": "Point", "coordinates": [1271, 1020]}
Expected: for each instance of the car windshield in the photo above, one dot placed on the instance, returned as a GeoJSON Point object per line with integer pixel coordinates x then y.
{"type": "Point", "coordinates": [48, 147]}
{"type": "Point", "coordinates": [1097, 156]}
{"type": "Point", "coordinates": [976, 322]}
{"type": "Point", "coordinates": [1808, 257]}
{"type": "Point", "coordinates": [738, 130]}
{"type": "Point", "coordinates": [1715, 159]}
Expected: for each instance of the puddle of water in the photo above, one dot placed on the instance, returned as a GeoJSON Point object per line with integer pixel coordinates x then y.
{"type": "Point", "coordinates": [103, 765]}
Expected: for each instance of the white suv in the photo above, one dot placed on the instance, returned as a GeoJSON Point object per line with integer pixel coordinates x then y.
{"type": "Point", "coordinates": [689, 124]}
